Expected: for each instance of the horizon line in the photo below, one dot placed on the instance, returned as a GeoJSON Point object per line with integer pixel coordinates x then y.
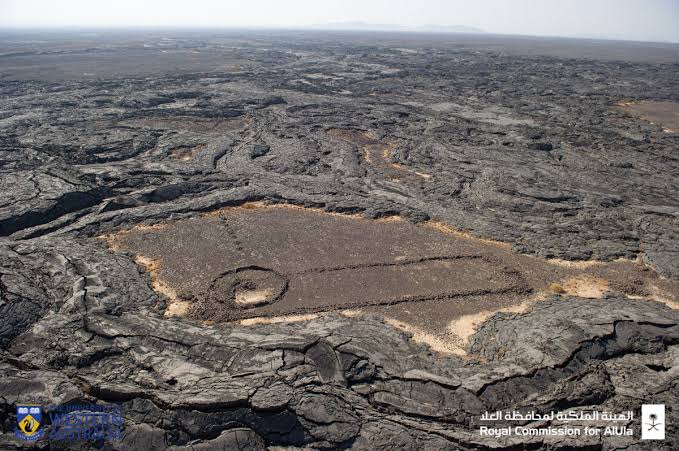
{"type": "Point", "coordinates": [318, 28]}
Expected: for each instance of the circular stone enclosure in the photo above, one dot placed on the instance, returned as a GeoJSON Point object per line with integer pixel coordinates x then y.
{"type": "Point", "coordinates": [248, 287]}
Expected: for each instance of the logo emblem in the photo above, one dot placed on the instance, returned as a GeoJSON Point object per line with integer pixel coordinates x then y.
{"type": "Point", "coordinates": [653, 422]}
{"type": "Point", "coordinates": [29, 421]}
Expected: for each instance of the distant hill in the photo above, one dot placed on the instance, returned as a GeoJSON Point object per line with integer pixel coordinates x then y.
{"type": "Point", "coordinates": [363, 26]}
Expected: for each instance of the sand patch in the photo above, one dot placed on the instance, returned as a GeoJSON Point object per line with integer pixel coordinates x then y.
{"type": "Point", "coordinates": [278, 319]}
{"type": "Point", "coordinates": [660, 295]}
{"type": "Point", "coordinates": [580, 264]}
{"type": "Point", "coordinates": [175, 307]}
{"type": "Point", "coordinates": [186, 153]}
{"type": "Point", "coordinates": [252, 297]}
{"type": "Point", "coordinates": [586, 287]}
{"type": "Point", "coordinates": [466, 326]}
{"type": "Point", "coordinates": [422, 174]}
{"type": "Point", "coordinates": [440, 343]}
{"type": "Point", "coordinates": [366, 156]}
{"type": "Point", "coordinates": [256, 205]}
{"type": "Point", "coordinates": [352, 313]}
{"type": "Point", "coordinates": [441, 227]}
{"type": "Point", "coordinates": [113, 240]}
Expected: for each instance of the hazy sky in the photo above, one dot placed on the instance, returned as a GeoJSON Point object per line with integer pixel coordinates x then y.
{"type": "Point", "coordinates": [650, 20]}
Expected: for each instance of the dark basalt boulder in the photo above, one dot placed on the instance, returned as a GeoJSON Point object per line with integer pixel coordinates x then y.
{"type": "Point", "coordinates": [259, 150]}
{"type": "Point", "coordinates": [544, 147]}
